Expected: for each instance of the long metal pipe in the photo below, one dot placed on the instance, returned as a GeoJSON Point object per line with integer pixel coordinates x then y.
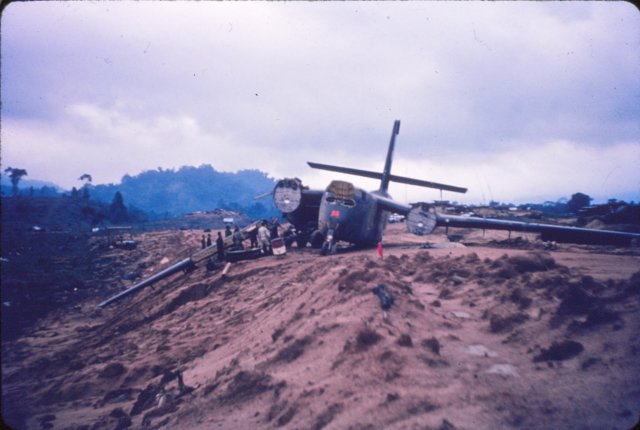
{"type": "Point", "coordinates": [196, 258]}
{"type": "Point", "coordinates": [153, 279]}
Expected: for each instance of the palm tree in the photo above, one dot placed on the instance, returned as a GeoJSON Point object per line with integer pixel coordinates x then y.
{"type": "Point", "coordinates": [15, 175]}
{"type": "Point", "coordinates": [86, 178]}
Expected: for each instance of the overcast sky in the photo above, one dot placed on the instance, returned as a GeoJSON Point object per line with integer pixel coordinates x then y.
{"type": "Point", "coordinates": [518, 101]}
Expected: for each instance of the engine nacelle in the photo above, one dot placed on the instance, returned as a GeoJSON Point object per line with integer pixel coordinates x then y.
{"type": "Point", "coordinates": [287, 195]}
{"type": "Point", "coordinates": [421, 220]}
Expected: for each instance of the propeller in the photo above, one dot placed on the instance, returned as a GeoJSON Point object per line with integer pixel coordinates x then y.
{"type": "Point", "coordinates": [263, 195]}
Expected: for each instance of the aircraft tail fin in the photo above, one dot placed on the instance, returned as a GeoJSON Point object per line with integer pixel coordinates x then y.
{"type": "Point", "coordinates": [385, 177]}
{"type": "Point", "coordinates": [386, 174]}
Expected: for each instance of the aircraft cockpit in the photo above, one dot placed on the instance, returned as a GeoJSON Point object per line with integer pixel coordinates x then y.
{"type": "Point", "coordinates": [340, 201]}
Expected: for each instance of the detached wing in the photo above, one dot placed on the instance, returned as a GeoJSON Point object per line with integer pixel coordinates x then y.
{"type": "Point", "coordinates": [548, 232]}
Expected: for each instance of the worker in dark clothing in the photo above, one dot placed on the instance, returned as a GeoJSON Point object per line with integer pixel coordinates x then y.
{"type": "Point", "coordinates": [208, 239]}
{"type": "Point", "coordinates": [202, 242]}
{"type": "Point", "coordinates": [227, 231]}
{"type": "Point", "coordinates": [274, 227]}
{"type": "Point", "coordinates": [237, 239]}
{"type": "Point", "coordinates": [289, 236]}
{"type": "Point", "coordinates": [220, 247]}
{"type": "Point", "coordinates": [253, 237]}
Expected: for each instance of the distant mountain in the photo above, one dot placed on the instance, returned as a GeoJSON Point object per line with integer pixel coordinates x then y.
{"type": "Point", "coordinates": [39, 187]}
{"type": "Point", "coordinates": [26, 183]}
{"type": "Point", "coordinates": [165, 193]}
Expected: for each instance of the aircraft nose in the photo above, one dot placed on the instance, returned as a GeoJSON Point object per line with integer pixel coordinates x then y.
{"type": "Point", "coordinates": [334, 218]}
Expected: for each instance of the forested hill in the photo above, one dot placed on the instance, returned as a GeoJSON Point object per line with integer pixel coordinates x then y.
{"type": "Point", "coordinates": [163, 193]}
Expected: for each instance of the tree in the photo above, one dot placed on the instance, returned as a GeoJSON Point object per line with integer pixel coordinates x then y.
{"type": "Point", "coordinates": [578, 201]}
{"type": "Point", "coordinates": [15, 175]}
{"type": "Point", "coordinates": [86, 178]}
{"type": "Point", "coordinates": [117, 210]}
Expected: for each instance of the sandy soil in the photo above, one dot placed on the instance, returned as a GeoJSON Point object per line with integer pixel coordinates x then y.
{"type": "Point", "coordinates": [488, 333]}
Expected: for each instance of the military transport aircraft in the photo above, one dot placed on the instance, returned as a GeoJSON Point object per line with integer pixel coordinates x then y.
{"type": "Point", "coordinates": [345, 213]}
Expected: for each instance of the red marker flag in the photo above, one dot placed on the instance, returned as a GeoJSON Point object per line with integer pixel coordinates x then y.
{"type": "Point", "coordinates": [380, 249]}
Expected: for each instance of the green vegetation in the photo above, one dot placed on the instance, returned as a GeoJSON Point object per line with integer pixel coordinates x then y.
{"type": "Point", "coordinates": [161, 194]}
{"type": "Point", "coordinates": [168, 193]}
{"type": "Point", "coordinates": [15, 175]}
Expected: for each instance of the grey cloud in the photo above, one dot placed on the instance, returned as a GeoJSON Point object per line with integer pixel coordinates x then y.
{"type": "Point", "coordinates": [467, 79]}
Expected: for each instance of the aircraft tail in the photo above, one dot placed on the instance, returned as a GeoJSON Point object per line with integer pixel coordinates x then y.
{"type": "Point", "coordinates": [386, 176]}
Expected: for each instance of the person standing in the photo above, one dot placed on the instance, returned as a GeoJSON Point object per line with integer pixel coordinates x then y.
{"type": "Point", "coordinates": [202, 242]}
{"type": "Point", "coordinates": [253, 236]}
{"type": "Point", "coordinates": [274, 227]}
{"type": "Point", "coordinates": [227, 231]}
{"type": "Point", "coordinates": [237, 239]}
{"type": "Point", "coordinates": [220, 247]}
{"type": "Point", "coordinates": [264, 238]}
{"type": "Point", "coordinates": [208, 239]}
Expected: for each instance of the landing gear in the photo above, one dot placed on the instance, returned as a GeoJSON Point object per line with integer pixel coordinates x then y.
{"type": "Point", "coordinates": [329, 248]}
{"type": "Point", "coordinates": [329, 245]}
{"type": "Point", "coordinates": [301, 242]}
{"type": "Point", "coordinates": [317, 239]}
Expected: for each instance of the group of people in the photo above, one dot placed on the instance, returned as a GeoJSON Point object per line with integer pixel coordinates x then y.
{"type": "Point", "coordinates": [206, 242]}
{"type": "Point", "coordinates": [264, 235]}
{"type": "Point", "coordinates": [211, 264]}
{"type": "Point", "coordinates": [260, 238]}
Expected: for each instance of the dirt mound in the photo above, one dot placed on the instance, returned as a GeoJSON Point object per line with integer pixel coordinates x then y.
{"type": "Point", "coordinates": [473, 338]}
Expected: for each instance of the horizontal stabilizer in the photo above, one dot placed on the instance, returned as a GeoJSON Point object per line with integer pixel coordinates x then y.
{"type": "Point", "coordinates": [394, 178]}
{"type": "Point", "coordinates": [428, 184]}
{"type": "Point", "coordinates": [347, 170]}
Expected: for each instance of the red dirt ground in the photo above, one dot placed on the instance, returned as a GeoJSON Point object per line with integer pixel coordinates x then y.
{"type": "Point", "coordinates": [490, 334]}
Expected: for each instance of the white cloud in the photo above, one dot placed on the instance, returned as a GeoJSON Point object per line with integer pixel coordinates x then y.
{"type": "Point", "coordinates": [270, 85]}
{"type": "Point", "coordinates": [533, 172]}
{"type": "Point", "coordinates": [108, 144]}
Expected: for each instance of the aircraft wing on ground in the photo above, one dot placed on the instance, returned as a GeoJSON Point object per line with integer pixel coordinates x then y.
{"type": "Point", "coordinates": [422, 219]}
{"type": "Point", "coordinates": [548, 232]}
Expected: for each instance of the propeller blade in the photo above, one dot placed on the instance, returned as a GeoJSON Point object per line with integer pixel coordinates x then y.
{"type": "Point", "coordinates": [263, 195]}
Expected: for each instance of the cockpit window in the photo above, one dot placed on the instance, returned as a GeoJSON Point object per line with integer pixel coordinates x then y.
{"type": "Point", "coordinates": [340, 201]}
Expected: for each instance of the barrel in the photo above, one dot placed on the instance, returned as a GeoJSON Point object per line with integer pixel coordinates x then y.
{"type": "Point", "coordinates": [277, 245]}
